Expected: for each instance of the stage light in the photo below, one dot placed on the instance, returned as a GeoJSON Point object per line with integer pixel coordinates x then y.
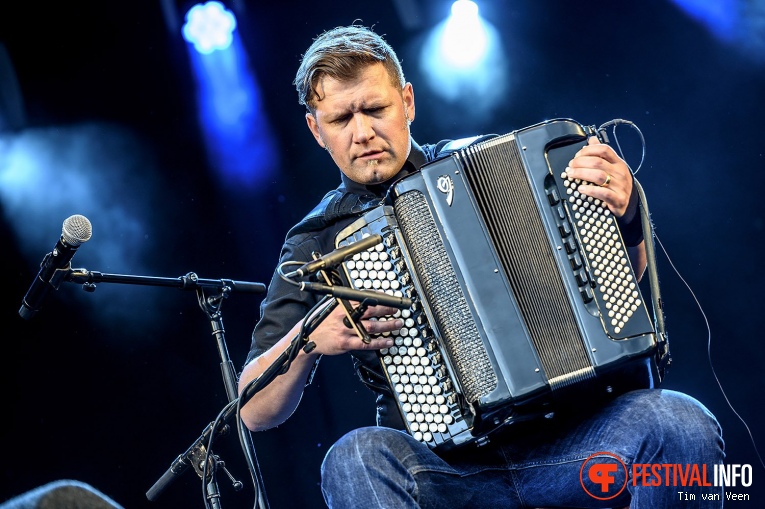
{"type": "Point", "coordinates": [719, 16]}
{"type": "Point", "coordinates": [462, 58]}
{"type": "Point", "coordinates": [739, 23]}
{"type": "Point", "coordinates": [240, 146]}
{"type": "Point", "coordinates": [464, 40]}
{"type": "Point", "coordinates": [209, 27]}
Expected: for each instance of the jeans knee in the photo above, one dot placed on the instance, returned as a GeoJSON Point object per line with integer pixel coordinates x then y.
{"type": "Point", "coordinates": [359, 448]}
{"type": "Point", "coordinates": [683, 425]}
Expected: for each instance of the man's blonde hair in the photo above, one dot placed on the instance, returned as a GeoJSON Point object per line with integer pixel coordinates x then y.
{"type": "Point", "coordinates": [343, 53]}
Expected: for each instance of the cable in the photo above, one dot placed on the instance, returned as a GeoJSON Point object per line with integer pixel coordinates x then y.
{"type": "Point", "coordinates": [208, 452]}
{"type": "Point", "coordinates": [284, 276]}
{"type": "Point", "coordinates": [648, 227]}
{"type": "Point", "coordinates": [294, 350]}
{"type": "Point", "coordinates": [709, 352]}
{"type": "Point", "coordinates": [619, 121]}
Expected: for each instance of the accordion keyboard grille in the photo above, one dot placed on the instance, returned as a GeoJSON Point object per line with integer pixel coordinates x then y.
{"type": "Point", "coordinates": [444, 296]}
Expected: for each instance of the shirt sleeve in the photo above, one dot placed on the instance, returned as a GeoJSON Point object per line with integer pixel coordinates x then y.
{"type": "Point", "coordinates": [284, 304]}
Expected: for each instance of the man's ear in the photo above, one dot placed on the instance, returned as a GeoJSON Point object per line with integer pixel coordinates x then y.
{"type": "Point", "coordinates": [407, 94]}
{"type": "Point", "coordinates": [314, 127]}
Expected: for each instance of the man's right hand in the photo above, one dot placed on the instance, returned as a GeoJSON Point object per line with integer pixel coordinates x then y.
{"type": "Point", "coordinates": [333, 337]}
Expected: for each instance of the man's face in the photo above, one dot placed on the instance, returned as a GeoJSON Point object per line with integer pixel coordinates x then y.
{"type": "Point", "coordinates": [363, 123]}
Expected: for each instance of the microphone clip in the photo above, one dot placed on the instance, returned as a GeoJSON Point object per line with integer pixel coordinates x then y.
{"type": "Point", "coordinates": [334, 258]}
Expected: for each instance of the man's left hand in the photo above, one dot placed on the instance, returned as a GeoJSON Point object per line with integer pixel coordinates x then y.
{"type": "Point", "coordinates": [607, 177]}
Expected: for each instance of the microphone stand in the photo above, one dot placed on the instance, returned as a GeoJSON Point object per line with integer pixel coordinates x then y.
{"type": "Point", "coordinates": [214, 429]}
{"type": "Point", "coordinates": [280, 365]}
{"type": "Point", "coordinates": [196, 455]}
{"type": "Point", "coordinates": [211, 306]}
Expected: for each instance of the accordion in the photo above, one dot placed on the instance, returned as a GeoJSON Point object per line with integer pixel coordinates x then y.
{"type": "Point", "coordinates": [523, 295]}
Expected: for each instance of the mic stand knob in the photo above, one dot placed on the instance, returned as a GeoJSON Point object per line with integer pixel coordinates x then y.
{"type": "Point", "coordinates": [237, 485]}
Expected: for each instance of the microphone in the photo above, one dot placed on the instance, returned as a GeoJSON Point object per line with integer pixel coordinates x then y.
{"type": "Point", "coordinates": [372, 298]}
{"type": "Point", "coordinates": [335, 257]}
{"type": "Point", "coordinates": [54, 267]}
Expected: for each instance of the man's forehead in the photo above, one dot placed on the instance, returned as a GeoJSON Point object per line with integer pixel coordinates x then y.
{"type": "Point", "coordinates": [339, 103]}
{"type": "Point", "coordinates": [368, 87]}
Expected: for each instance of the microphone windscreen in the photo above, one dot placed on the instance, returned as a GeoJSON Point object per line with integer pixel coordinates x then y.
{"type": "Point", "coordinates": [76, 230]}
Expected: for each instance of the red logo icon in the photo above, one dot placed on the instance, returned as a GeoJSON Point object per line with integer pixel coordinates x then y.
{"type": "Point", "coordinates": [602, 473]}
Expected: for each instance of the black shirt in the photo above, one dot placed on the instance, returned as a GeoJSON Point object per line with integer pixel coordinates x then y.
{"type": "Point", "coordinates": [285, 305]}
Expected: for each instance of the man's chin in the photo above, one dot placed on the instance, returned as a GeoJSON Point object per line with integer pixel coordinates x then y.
{"type": "Point", "coordinates": [379, 177]}
{"type": "Point", "coordinates": [375, 173]}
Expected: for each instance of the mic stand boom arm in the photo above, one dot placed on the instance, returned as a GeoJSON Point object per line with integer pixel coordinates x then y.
{"type": "Point", "coordinates": [190, 281]}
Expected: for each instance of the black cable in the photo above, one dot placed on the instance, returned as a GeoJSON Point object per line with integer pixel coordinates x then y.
{"type": "Point", "coordinates": [618, 121]}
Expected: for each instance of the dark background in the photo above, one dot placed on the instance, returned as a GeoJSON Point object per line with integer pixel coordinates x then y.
{"type": "Point", "coordinates": [110, 387]}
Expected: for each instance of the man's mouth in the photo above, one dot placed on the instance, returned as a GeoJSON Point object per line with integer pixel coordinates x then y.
{"type": "Point", "coordinates": [371, 155]}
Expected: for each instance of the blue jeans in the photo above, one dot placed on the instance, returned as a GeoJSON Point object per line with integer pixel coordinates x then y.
{"type": "Point", "coordinates": [537, 464]}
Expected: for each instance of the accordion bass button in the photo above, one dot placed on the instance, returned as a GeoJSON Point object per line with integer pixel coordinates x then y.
{"type": "Point", "coordinates": [552, 195]}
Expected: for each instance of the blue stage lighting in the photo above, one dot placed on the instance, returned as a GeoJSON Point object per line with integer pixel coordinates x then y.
{"type": "Point", "coordinates": [739, 23]}
{"type": "Point", "coordinates": [238, 139]}
{"type": "Point", "coordinates": [720, 16]}
{"type": "Point", "coordinates": [464, 40]}
{"type": "Point", "coordinates": [209, 27]}
{"type": "Point", "coordinates": [463, 58]}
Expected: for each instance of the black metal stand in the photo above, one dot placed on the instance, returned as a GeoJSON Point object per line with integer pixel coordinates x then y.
{"type": "Point", "coordinates": [333, 295]}
{"type": "Point", "coordinates": [197, 456]}
{"type": "Point", "coordinates": [211, 306]}
{"type": "Point", "coordinates": [219, 427]}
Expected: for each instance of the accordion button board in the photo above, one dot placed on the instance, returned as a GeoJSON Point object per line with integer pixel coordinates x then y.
{"type": "Point", "coordinates": [414, 366]}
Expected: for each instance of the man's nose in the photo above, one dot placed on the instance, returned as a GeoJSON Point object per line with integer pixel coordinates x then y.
{"type": "Point", "coordinates": [362, 128]}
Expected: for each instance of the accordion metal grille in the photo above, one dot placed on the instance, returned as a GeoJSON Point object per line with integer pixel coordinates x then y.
{"type": "Point", "coordinates": [504, 196]}
{"type": "Point", "coordinates": [456, 326]}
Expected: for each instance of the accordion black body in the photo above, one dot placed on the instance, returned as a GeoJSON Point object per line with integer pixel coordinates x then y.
{"type": "Point", "coordinates": [523, 295]}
